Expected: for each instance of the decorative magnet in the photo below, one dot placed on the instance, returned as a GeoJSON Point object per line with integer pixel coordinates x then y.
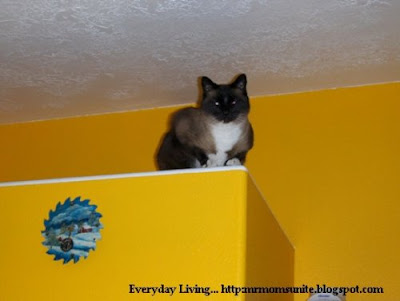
{"type": "Point", "coordinates": [72, 230]}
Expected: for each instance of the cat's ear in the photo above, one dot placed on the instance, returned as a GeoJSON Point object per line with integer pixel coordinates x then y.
{"type": "Point", "coordinates": [240, 82]}
{"type": "Point", "coordinates": [207, 84]}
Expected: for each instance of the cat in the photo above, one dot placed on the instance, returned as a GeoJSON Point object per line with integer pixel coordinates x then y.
{"type": "Point", "coordinates": [218, 133]}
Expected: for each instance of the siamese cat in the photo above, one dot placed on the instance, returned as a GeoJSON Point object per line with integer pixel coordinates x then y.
{"type": "Point", "coordinates": [217, 133]}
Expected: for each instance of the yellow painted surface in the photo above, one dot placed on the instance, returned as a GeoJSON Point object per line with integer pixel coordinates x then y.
{"type": "Point", "coordinates": [93, 145]}
{"type": "Point", "coordinates": [158, 229]}
{"type": "Point", "coordinates": [267, 249]}
{"type": "Point", "coordinates": [327, 162]}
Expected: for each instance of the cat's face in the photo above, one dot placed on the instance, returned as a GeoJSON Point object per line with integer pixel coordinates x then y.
{"type": "Point", "coordinates": [225, 102]}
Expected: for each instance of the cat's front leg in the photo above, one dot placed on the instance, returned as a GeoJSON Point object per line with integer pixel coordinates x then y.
{"type": "Point", "coordinates": [211, 162]}
{"type": "Point", "coordinates": [200, 156]}
{"type": "Point", "coordinates": [215, 160]}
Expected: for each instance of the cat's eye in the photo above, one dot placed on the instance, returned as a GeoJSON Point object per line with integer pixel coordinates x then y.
{"type": "Point", "coordinates": [233, 102]}
{"type": "Point", "coordinates": [217, 103]}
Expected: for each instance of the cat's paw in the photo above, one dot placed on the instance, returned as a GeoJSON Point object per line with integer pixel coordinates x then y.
{"type": "Point", "coordinates": [211, 163]}
{"type": "Point", "coordinates": [233, 162]}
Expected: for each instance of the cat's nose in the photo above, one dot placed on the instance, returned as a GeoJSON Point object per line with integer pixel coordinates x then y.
{"type": "Point", "coordinates": [225, 112]}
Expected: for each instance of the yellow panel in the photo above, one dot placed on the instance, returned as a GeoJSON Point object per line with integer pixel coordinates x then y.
{"type": "Point", "coordinates": [164, 229]}
{"type": "Point", "coordinates": [184, 228]}
{"type": "Point", "coordinates": [270, 256]}
{"type": "Point", "coordinates": [328, 162]}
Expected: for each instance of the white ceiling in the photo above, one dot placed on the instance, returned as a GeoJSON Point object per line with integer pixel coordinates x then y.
{"type": "Point", "coordinates": [77, 57]}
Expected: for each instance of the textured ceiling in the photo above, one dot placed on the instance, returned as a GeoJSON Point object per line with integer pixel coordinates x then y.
{"type": "Point", "coordinates": [77, 57]}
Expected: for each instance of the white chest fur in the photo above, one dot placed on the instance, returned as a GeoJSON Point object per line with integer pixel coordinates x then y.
{"type": "Point", "coordinates": [225, 135]}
